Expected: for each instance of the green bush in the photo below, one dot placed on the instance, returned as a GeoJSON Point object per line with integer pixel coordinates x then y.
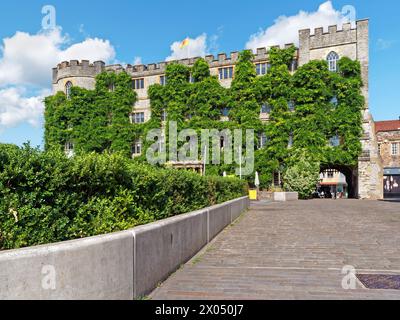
{"type": "Point", "coordinates": [46, 197]}
{"type": "Point", "coordinates": [302, 176]}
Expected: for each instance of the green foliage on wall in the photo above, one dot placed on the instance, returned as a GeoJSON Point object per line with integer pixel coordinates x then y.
{"type": "Point", "coordinates": [94, 120]}
{"type": "Point", "coordinates": [46, 197]}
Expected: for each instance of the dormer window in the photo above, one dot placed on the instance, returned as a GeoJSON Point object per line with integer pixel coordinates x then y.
{"type": "Point", "coordinates": [333, 59]}
{"type": "Point", "coordinates": [68, 87]}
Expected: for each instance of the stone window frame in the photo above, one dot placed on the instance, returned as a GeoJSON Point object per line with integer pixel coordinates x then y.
{"type": "Point", "coordinates": [263, 140]}
{"type": "Point", "coordinates": [332, 59]}
{"type": "Point", "coordinates": [266, 108]}
{"type": "Point", "coordinates": [138, 84]}
{"type": "Point", "coordinates": [226, 73]}
{"type": "Point", "coordinates": [262, 68]}
{"type": "Point", "coordinates": [163, 80]}
{"type": "Point", "coordinates": [136, 148]}
{"type": "Point", "coordinates": [138, 117]}
{"type": "Point", "coordinates": [68, 87]}
{"type": "Point", "coordinates": [394, 148]}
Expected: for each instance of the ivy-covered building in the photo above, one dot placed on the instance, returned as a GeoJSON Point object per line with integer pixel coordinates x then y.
{"type": "Point", "coordinates": [364, 174]}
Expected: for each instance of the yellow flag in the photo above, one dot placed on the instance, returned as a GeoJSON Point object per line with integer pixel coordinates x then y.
{"type": "Point", "coordinates": [184, 43]}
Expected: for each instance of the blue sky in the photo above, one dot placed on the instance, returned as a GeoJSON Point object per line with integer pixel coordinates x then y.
{"type": "Point", "coordinates": [128, 31]}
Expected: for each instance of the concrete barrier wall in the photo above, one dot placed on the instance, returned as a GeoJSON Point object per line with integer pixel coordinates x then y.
{"type": "Point", "coordinates": [286, 196]}
{"type": "Point", "coordinates": [219, 217]}
{"type": "Point", "coordinates": [92, 268]}
{"type": "Point", "coordinates": [118, 266]}
{"type": "Point", "coordinates": [161, 247]}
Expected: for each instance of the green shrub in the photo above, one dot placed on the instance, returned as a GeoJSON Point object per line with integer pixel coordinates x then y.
{"type": "Point", "coordinates": [46, 197]}
{"type": "Point", "coordinates": [302, 176]}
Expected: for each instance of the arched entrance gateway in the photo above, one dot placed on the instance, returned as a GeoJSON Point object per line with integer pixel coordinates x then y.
{"type": "Point", "coordinates": [339, 180]}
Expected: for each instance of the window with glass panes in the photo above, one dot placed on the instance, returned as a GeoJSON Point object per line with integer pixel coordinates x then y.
{"type": "Point", "coordinates": [261, 68]}
{"type": "Point", "coordinates": [163, 80]}
{"type": "Point", "coordinates": [137, 148]}
{"type": "Point", "coordinates": [137, 117]}
{"type": "Point", "coordinates": [266, 108]}
{"type": "Point", "coordinates": [395, 149]}
{"type": "Point", "coordinates": [226, 73]}
{"type": "Point", "coordinates": [138, 83]}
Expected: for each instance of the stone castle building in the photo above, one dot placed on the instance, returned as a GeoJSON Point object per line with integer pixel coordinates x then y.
{"type": "Point", "coordinates": [330, 45]}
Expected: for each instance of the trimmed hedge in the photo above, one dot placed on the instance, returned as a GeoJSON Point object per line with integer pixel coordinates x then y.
{"type": "Point", "coordinates": [46, 197]}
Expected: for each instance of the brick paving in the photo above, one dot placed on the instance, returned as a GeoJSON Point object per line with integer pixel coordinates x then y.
{"type": "Point", "coordinates": [294, 250]}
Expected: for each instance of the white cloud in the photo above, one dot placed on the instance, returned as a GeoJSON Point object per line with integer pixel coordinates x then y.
{"type": "Point", "coordinates": [16, 107]}
{"type": "Point", "coordinates": [383, 44]}
{"type": "Point", "coordinates": [285, 29]}
{"type": "Point", "coordinates": [196, 48]}
{"type": "Point", "coordinates": [26, 61]}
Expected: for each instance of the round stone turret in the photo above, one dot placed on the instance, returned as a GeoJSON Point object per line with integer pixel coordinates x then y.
{"type": "Point", "coordinates": [81, 74]}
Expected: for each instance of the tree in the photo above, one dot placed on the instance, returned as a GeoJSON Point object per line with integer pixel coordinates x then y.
{"type": "Point", "coordinates": [302, 175]}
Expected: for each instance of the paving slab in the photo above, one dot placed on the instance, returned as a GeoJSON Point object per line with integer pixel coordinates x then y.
{"type": "Point", "coordinates": [294, 250]}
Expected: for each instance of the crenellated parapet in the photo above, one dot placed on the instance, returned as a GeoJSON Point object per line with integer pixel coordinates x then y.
{"type": "Point", "coordinates": [81, 69]}
{"type": "Point", "coordinates": [334, 36]}
{"type": "Point", "coordinates": [75, 68]}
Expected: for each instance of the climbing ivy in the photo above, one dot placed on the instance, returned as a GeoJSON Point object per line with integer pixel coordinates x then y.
{"type": "Point", "coordinates": [94, 120]}
{"type": "Point", "coordinates": [308, 108]}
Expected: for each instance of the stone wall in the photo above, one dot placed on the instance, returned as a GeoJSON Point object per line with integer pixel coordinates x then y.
{"type": "Point", "coordinates": [385, 140]}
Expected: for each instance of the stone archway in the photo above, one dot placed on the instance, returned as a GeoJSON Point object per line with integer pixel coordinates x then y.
{"type": "Point", "coordinates": [351, 175]}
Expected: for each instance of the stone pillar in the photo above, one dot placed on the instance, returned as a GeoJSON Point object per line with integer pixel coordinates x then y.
{"type": "Point", "coordinates": [304, 46]}
{"type": "Point", "coordinates": [370, 170]}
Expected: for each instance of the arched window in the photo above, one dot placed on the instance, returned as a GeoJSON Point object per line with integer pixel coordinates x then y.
{"type": "Point", "coordinates": [68, 87]}
{"type": "Point", "coordinates": [333, 59]}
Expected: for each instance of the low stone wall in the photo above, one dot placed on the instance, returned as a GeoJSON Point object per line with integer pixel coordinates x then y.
{"type": "Point", "coordinates": [122, 265]}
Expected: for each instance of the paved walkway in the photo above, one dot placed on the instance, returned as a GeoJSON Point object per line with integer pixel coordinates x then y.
{"type": "Point", "coordinates": [294, 250]}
